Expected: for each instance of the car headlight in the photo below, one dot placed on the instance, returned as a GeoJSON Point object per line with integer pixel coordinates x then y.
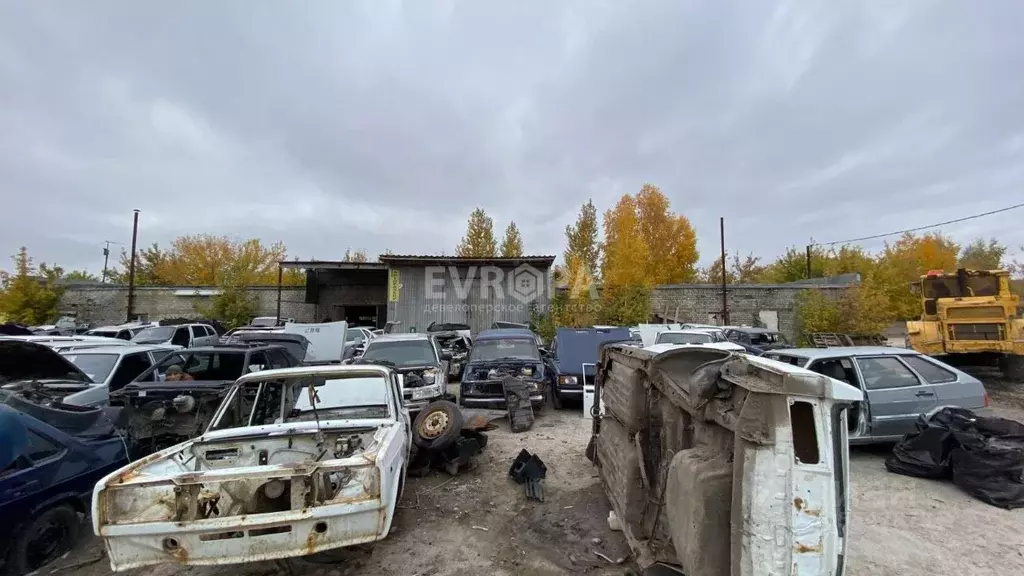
{"type": "Point", "coordinates": [570, 380]}
{"type": "Point", "coordinates": [430, 376]}
{"type": "Point", "coordinates": [426, 392]}
{"type": "Point", "coordinates": [531, 386]}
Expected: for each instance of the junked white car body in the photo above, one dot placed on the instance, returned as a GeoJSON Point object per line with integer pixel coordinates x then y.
{"type": "Point", "coordinates": [285, 481]}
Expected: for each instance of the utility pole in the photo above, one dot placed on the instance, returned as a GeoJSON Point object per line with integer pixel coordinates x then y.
{"type": "Point", "coordinates": [106, 257]}
{"type": "Point", "coordinates": [725, 300]}
{"type": "Point", "coordinates": [809, 261]}
{"type": "Point", "coordinates": [131, 268]}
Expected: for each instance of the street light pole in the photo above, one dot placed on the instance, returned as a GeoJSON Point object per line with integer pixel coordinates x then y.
{"type": "Point", "coordinates": [131, 268]}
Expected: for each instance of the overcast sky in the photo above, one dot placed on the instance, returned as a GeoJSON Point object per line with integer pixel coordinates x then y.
{"type": "Point", "coordinates": [382, 124]}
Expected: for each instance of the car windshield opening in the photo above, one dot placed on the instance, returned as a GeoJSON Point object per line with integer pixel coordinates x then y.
{"type": "Point", "coordinates": [306, 398]}
{"type": "Point", "coordinates": [154, 335]}
{"type": "Point", "coordinates": [212, 365]}
{"type": "Point", "coordinates": [683, 338]}
{"type": "Point", "coordinates": [402, 353]}
{"type": "Point", "coordinates": [96, 366]}
{"type": "Point", "coordinates": [761, 338]}
{"type": "Point", "coordinates": [501, 348]}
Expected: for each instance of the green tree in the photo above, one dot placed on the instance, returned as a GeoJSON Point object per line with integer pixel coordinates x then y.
{"type": "Point", "coordinates": [479, 240]}
{"type": "Point", "coordinates": [357, 256]}
{"type": "Point", "coordinates": [747, 270]}
{"type": "Point", "coordinates": [80, 275]}
{"type": "Point", "coordinates": [234, 306]}
{"type": "Point", "coordinates": [981, 255]}
{"type": "Point", "coordinates": [512, 244]}
{"type": "Point", "coordinates": [30, 295]}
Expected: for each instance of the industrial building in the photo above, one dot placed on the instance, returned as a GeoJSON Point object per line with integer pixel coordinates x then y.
{"type": "Point", "coordinates": [418, 290]}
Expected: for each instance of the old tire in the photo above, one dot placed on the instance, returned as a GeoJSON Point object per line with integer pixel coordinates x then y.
{"type": "Point", "coordinates": [46, 538]}
{"type": "Point", "coordinates": [437, 426]}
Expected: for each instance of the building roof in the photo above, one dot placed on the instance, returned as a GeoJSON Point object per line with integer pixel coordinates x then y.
{"type": "Point", "coordinates": [331, 265]}
{"type": "Point", "coordinates": [413, 260]}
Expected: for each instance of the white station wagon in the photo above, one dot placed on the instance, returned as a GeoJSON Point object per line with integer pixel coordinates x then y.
{"type": "Point", "coordinates": [295, 461]}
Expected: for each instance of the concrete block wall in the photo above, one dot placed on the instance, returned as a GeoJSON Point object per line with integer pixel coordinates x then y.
{"type": "Point", "coordinates": [702, 303]}
{"type": "Point", "coordinates": [104, 304]}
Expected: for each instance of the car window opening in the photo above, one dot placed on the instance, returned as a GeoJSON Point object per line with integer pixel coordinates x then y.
{"type": "Point", "coordinates": [805, 433]}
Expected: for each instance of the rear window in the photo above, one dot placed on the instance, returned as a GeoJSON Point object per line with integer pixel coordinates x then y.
{"type": "Point", "coordinates": [930, 371]}
{"type": "Point", "coordinates": [683, 338]}
{"type": "Point", "coordinates": [505, 348]}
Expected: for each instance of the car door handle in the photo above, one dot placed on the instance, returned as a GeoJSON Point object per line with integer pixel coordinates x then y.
{"type": "Point", "coordinates": [925, 393]}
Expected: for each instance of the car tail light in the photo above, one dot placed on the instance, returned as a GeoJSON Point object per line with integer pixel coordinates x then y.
{"type": "Point", "coordinates": [988, 401]}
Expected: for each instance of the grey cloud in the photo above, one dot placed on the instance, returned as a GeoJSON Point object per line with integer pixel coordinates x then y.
{"type": "Point", "coordinates": [382, 124]}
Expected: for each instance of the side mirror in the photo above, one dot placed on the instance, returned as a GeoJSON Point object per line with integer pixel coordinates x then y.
{"type": "Point", "coordinates": [545, 352]}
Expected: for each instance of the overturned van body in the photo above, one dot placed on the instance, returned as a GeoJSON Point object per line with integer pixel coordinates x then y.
{"type": "Point", "coordinates": [724, 463]}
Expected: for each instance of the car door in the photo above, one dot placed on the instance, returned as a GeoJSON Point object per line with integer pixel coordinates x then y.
{"type": "Point", "coordinates": [896, 396]}
{"type": "Point", "coordinates": [952, 389]}
{"type": "Point", "coordinates": [182, 337]}
{"type": "Point", "coordinates": [128, 369]}
{"type": "Point", "coordinates": [198, 335]}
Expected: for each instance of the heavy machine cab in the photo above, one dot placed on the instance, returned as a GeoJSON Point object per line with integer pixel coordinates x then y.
{"type": "Point", "coordinates": [969, 317]}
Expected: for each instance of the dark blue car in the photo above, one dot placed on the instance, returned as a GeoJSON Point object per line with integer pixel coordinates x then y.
{"type": "Point", "coordinates": [46, 481]}
{"type": "Point", "coordinates": [575, 352]}
{"type": "Point", "coordinates": [496, 352]}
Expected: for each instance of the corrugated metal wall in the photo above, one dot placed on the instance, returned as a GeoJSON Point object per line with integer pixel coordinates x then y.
{"type": "Point", "coordinates": [468, 302]}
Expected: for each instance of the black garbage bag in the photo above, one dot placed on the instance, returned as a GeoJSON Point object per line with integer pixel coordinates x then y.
{"type": "Point", "coordinates": [992, 471]}
{"type": "Point", "coordinates": [927, 452]}
{"type": "Point", "coordinates": [924, 454]}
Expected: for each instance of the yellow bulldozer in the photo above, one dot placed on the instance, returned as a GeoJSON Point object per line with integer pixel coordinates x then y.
{"type": "Point", "coordinates": [970, 317]}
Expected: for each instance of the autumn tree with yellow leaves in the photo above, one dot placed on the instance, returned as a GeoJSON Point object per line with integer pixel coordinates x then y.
{"type": "Point", "coordinates": [645, 244]}
{"type": "Point", "coordinates": [479, 240]}
{"type": "Point", "coordinates": [512, 244]}
{"type": "Point", "coordinates": [207, 260]}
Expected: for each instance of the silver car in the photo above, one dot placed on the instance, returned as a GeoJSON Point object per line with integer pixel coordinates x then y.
{"type": "Point", "coordinates": [898, 385]}
{"type": "Point", "coordinates": [111, 368]}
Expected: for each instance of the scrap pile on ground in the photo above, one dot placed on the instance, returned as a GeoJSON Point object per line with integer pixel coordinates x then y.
{"type": "Point", "coordinates": [983, 456]}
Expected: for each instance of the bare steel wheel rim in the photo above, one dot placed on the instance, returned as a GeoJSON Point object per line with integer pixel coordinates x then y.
{"type": "Point", "coordinates": [434, 424]}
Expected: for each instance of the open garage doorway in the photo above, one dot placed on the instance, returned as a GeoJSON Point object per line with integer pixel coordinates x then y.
{"type": "Point", "coordinates": [361, 315]}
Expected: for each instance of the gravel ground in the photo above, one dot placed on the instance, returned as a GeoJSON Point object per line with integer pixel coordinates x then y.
{"type": "Point", "coordinates": [481, 523]}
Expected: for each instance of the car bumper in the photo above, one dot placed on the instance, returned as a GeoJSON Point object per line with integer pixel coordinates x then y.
{"type": "Point", "coordinates": [570, 389]}
{"type": "Point", "coordinates": [498, 403]}
{"type": "Point", "coordinates": [239, 539]}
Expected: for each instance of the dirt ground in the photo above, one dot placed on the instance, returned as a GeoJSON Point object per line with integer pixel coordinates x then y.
{"type": "Point", "coordinates": [481, 523]}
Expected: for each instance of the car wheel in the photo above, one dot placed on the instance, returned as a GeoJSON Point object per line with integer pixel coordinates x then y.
{"type": "Point", "coordinates": [48, 537]}
{"type": "Point", "coordinates": [437, 426]}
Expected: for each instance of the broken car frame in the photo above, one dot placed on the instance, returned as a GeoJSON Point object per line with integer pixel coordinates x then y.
{"type": "Point", "coordinates": [724, 463]}
{"type": "Point", "coordinates": [295, 461]}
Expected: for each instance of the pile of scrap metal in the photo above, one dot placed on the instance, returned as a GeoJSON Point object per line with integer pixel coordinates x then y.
{"type": "Point", "coordinates": [836, 339]}
{"type": "Point", "coordinates": [719, 463]}
{"type": "Point", "coordinates": [528, 470]}
{"type": "Point", "coordinates": [455, 346]}
{"type": "Point", "coordinates": [445, 439]}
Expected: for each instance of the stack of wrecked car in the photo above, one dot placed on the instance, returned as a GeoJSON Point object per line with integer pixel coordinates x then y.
{"type": "Point", "coordinates": [720, 463]}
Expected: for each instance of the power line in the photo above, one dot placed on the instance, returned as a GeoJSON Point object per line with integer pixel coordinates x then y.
{"type": "Point", "coordinates": [965, 218]}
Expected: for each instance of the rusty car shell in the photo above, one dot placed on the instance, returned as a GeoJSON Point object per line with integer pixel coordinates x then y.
{"type": "Point", "coordinates": [264, 492]}
{"type": "Point", "coordinates": [723, 463]}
